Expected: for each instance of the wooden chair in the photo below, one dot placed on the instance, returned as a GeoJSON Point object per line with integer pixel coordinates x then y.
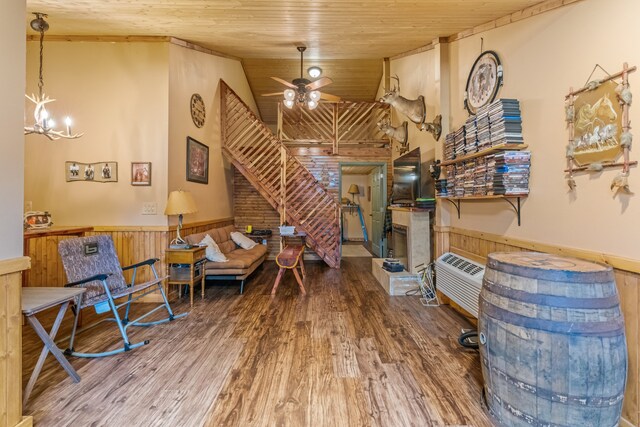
{"type": "Point", "coordinates": [92, 263]}
{"type": "Point", "coordinates": [289, 259]}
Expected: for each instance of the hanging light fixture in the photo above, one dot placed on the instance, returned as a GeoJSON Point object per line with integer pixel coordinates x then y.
{"type": "Point", "coordinates": [44, 124]}
{"type": "Point", "coordinates": [302, 95]}
{"type": "Point", "coordinates": [314, 72]}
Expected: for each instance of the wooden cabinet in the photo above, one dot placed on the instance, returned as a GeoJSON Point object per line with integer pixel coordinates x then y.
{"type": "Point", "coordinates": [186, 267]}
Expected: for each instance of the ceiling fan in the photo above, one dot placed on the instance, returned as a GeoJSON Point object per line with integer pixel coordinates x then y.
{"type": "Point", "coordinates": [304, 91]}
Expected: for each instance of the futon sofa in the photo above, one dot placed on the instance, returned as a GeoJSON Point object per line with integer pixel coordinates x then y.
{"type": "Point", "coordinates": [242, 262]}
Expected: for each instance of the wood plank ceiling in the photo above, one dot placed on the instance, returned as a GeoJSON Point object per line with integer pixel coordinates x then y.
{"type": "Point", "coordinates": [348, 39]}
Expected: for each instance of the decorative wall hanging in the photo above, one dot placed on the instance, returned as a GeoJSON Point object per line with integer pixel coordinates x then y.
{"type": "Point", "coordinates": [484, 81]}
{"type": "Point", "coordinates": [141, 173]}
{"type": "Point", "coordinates": [415, 110]}
{"type": "Point", "coordinates": [96, 172]}
{"type": "Point", "coordinates": [37, 219]}
{"type": "Point", "coordinates": [597, 116]}
{"type": "Point", "coordinates": [197, 161]}
{"type": "Point", "coordinates": [198, 113]}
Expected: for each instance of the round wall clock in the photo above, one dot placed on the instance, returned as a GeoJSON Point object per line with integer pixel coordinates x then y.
{"type": "Point", "coordinates": [484, 81]}
{"type": "Point", "coordinates": [197, 110]}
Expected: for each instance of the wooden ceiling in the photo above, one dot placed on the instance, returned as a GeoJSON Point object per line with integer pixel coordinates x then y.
{"type": "Point", "coordinates": [357, 170]}
{"type": "Point", "coordinates": [348, 38]}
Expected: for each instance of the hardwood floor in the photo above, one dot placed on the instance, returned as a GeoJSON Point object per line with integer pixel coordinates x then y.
{"type": "Point", "coordinates": [347, 354]}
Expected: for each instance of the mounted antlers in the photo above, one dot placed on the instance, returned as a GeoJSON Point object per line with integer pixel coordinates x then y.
{"type": "Point", "coordinates": [415, 110]}
{"type": "Point", "coordinates": [41, 125]}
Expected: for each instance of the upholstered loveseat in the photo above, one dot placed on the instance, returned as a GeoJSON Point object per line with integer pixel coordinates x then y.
{"type": "Point", "coordinates": [242, 262]}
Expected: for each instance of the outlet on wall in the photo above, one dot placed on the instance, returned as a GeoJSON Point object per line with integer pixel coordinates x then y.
{"type": "Point", "coordinates": [150, 208]}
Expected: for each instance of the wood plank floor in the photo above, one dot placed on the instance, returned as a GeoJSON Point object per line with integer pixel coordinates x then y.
{"type": "Point", "coordinates": [347, 354]}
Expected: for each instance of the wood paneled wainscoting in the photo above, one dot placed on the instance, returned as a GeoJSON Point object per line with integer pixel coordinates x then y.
{"type": "Point", "coordinates": [477, 245]}
{"type": "Point", "coordinates": [133, 244]}
{"type": "Point", "coordinates": [11, 342]}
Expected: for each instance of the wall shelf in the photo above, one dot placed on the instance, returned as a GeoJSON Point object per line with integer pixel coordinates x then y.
{"type": "Point", "coordinates": [457, 201]}
{"type": "Point", "coordinates": [491, 150]}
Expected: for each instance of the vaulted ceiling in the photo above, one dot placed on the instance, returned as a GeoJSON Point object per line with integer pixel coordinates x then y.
{"type": "Point", "coordinates": [348, 39]}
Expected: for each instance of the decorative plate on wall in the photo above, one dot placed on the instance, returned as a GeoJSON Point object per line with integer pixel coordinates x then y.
{"type": "Point", "coordinates": [483, 82]}
{"type": "Point", "coordinates": [198, 113]}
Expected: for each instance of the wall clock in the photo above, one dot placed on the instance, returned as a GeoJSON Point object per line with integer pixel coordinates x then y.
{"type": "Point", "coordinates": [197, 110]}
{"type": "Point", "coordinates": [483, 82]}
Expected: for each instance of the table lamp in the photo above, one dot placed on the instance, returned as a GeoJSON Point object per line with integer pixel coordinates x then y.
{"type": "Point", "coordinates": [180, 203]}
{"type": "Point", "coordinates": [353, 190]}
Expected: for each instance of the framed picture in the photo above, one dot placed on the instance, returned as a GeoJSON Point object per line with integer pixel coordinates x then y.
{"type": "Point", "coordinates": [197, 161]}
{"type": "Point", "coordinates": [140, 173]}
{"type": "Point", "coordinates": [94, 172]}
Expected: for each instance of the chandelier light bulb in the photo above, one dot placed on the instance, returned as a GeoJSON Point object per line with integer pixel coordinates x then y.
{"type": "Point", "coordinates": [314, 95]}
{"type": "Point", "coordinates": [51, 124]}
{"type": "Point", "coordinates": [288, 103]}
{"type": "Point", "coordinates": [312, 104]}
{"type": "Point", "coordinates": [314, 72]}
{"type": "Point", "coordinates": [290, 94]}
{"type": "Point", "coordinates": [67, 122]}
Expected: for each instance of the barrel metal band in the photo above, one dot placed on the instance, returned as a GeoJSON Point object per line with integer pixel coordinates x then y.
{"type": "Point", "coordinates": [603, 276]}
{"type": "Point", "coordinates": [608, 328]}
{"type": "Point", "coordinates": [551, 300]}
{"type": "Point", "coordinates": [552, 396]}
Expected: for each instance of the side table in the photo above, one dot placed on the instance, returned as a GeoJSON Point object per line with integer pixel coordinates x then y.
{"type": "Point", "coordinates": [185, 267]}
{"type": "Point", "coordinates": [35, 300]}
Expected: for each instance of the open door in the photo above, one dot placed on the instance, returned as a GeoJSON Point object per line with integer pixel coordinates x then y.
{"type": "Point", "coordinates": [378, 205]}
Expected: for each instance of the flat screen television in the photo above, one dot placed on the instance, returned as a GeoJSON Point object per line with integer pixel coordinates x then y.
{"type": "Point", "coordinates": [406, 178]}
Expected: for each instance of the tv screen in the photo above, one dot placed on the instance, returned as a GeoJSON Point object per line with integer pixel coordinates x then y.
{"type": "Point", "coordinates": [406, 178]}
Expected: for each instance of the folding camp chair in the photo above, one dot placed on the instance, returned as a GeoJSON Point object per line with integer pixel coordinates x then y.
{"type": "Point", "coordinates": [92, 263]}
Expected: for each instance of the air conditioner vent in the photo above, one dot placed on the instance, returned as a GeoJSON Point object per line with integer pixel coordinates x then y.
{"type": "Point", "coordinates": [460, 279]}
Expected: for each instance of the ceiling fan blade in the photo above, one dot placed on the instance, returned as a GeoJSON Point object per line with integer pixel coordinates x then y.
{"type": "Point", "coordinates": [272, 94]}
{"type": "Point", "coordinates": [284, 82]}
{"type": "Point", "coordinates": [329, 97]}
{"type": "Point", "coordinates": [321, 82]}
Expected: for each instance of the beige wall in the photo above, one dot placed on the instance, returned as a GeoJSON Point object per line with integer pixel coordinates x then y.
{"type": "Point", "coordinates": [117, 94]}
{"type": "Point", "coordinates": [351, 223]}
{"type": "Point", "coordinates": [196, 72]}
{"type": "Point", "coordinates": [12, 46]}
{"type": "Point", "coordinates": [542, 59]}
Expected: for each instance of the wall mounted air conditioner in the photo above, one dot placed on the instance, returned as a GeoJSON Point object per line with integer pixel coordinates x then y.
{"type": "Point", "coordinates": [460, 279]}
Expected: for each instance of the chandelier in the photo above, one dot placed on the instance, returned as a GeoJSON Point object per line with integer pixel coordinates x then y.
{"type": "Point", "coordinates": [44, 124]}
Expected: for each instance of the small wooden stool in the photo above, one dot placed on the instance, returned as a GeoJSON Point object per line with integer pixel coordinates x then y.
{"type": "Point", "coordinates": [289, 259]}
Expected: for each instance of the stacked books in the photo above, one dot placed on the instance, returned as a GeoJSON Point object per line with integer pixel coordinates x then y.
{"type": "Point", "coordinates": [505, 122]}
{"type": "Point", "coordinates": [458, 140]}
{"type": "Point", "coordinates": [449, 149]}
{"type": "Point", "coordinates": [480, 177]}
{"type": "Point", "coordinates": [508, 173]}
{"type": "Point", "coordinates": [471, 135]}
{"type": "Point", "coordinates": [469, 168]}
{"type": "Point", "coordinates": [425, 203]}
{"type": "Point", "coordinates": [483, 129]}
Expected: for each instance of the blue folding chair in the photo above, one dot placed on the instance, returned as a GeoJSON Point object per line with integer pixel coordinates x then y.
{"type": "Point", "coordinates": [92, 263]}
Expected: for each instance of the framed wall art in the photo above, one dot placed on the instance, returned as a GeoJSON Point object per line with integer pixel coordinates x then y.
{"type": "Point", "coordinates": [141, 173]}
{"type": "Point", "coordinates": [197, 161]}
{"type": "Point", "coordinates": [597, 117]}
{"type": "Point", "coordinates": [484, 81]}
{"type": "Point", "coordinates": [94, 172]}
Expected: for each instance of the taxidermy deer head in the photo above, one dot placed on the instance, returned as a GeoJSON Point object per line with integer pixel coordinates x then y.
{"type": "Point", "coordinates": [399, 134]}
{"type": "Point", "coordinates": [414, 109]}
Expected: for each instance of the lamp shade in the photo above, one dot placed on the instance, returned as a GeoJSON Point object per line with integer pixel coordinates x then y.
{"type": "Point", "coordinates": [180, 202]}
{"type": "Point", "coordinates": [353, 189]}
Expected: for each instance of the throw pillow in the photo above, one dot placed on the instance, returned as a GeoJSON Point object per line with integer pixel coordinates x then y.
{"type": "Point", "coordinates": [241, 240]}
{"type": "Point", "coordinates": [213, 252]}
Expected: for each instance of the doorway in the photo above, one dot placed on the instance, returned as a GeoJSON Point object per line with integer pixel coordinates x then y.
{"type": "Point", "coordinates": [364, 199]}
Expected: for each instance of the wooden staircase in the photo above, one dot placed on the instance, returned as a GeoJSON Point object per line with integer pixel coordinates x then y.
{"type": "Point", "coordinates": [279, 177]}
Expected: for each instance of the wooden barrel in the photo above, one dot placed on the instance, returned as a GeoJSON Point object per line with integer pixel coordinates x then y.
{"type": "Point", "coordinates": [553, 348]}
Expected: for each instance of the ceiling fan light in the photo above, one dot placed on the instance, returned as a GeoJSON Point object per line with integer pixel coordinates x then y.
{"type": "Point", "coordinates": [288, 103]}
{"type": "Point", "coordinates": [290, 95]}
{"type": "Point", "coordinates": [314, 95]}
{"type": "Point", "coordinates": [312, 104]}
{"type": "Point", "coordinates": [314, 72]}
